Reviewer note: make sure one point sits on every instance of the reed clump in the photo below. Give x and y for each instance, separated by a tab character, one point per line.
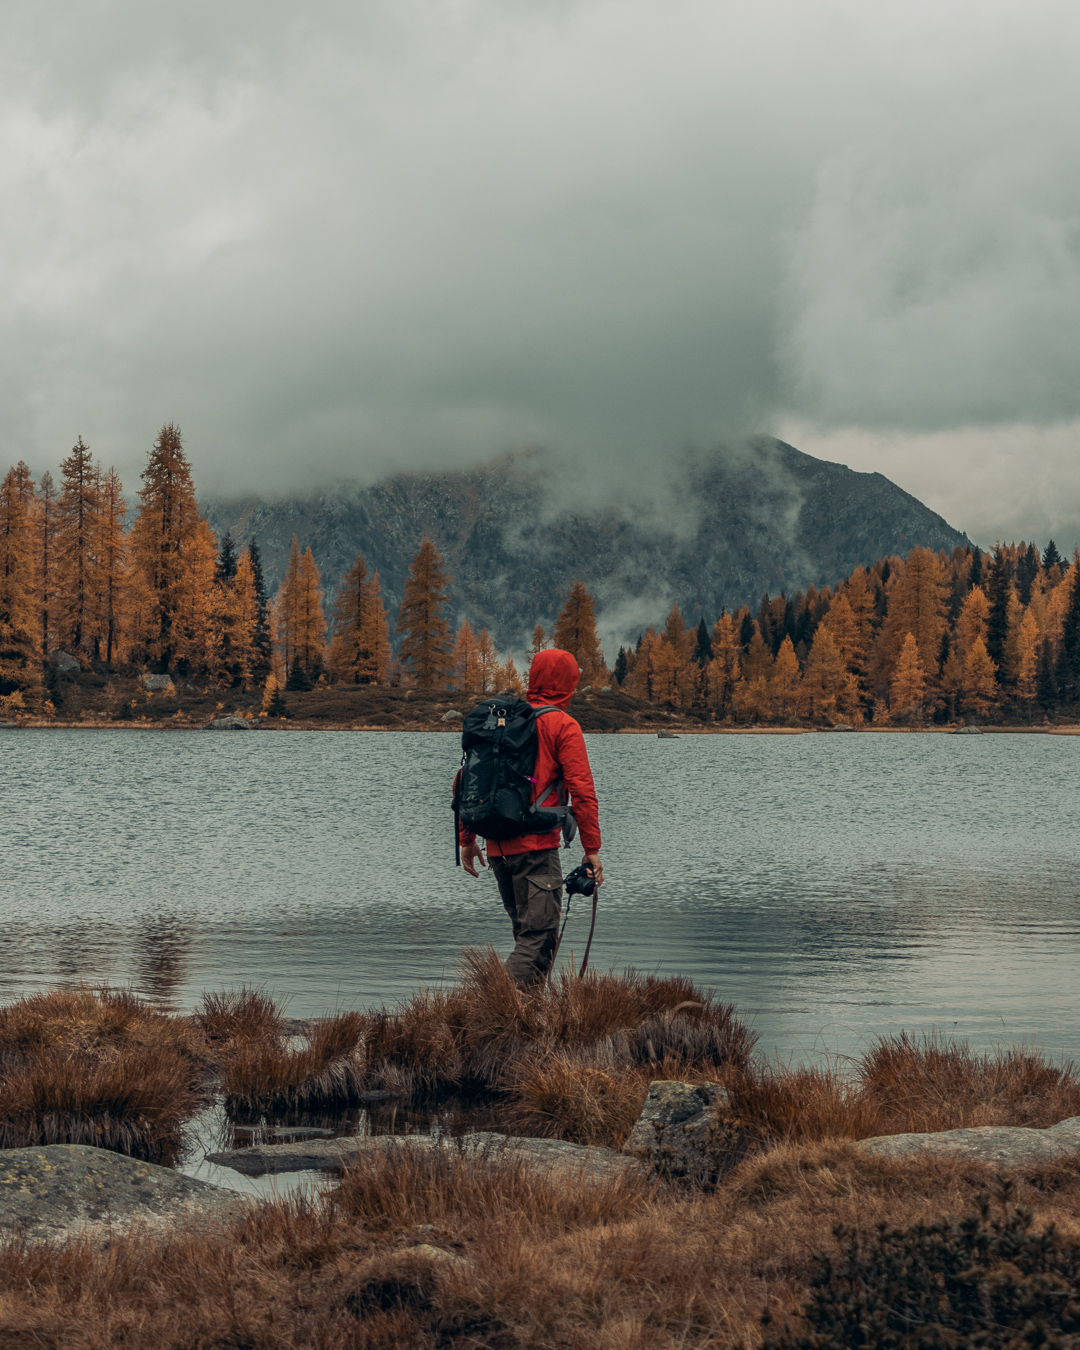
97	1067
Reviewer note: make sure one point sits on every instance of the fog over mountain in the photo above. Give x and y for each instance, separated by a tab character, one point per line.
715	530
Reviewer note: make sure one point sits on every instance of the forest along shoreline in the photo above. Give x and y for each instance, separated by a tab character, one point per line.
109	702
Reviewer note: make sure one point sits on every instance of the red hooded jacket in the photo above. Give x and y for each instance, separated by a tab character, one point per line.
561	752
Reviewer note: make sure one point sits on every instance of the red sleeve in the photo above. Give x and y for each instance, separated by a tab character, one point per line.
577	775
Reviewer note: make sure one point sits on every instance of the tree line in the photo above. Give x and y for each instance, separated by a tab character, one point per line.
906	640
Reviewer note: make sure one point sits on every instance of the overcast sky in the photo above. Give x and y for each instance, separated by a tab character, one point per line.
336	238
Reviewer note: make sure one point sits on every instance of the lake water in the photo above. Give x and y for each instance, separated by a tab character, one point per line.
833	887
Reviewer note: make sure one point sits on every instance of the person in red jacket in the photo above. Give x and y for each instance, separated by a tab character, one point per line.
527	869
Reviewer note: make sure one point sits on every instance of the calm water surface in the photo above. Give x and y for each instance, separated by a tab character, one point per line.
833	887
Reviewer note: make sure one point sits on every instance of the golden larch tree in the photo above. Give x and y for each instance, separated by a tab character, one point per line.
972	620
917	605
78	524
285	608
310	640
575	632
426	641
757	660
539	641
510	681
167	529
639	681
487	662
979	689
20	671
907	692
1027	660
724	669
466	663
45	551
374	635
112	568
784	683
348	659
826	689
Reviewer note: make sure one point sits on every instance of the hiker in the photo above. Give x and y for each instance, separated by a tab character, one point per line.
527	867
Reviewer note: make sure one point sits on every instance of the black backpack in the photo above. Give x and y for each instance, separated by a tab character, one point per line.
493	792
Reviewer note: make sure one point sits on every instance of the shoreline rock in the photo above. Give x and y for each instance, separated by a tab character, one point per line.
1007	1145
60	1191
685	1131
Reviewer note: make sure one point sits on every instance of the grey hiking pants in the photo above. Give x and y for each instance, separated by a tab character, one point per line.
531	888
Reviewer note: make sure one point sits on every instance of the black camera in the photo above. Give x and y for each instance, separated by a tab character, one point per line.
580	881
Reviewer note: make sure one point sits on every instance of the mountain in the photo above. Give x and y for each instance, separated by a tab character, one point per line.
715	529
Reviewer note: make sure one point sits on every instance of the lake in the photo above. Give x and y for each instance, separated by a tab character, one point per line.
833	887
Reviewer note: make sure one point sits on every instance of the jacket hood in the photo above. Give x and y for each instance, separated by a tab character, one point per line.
553	677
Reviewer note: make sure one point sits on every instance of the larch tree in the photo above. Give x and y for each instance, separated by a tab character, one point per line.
979	689
916	605
724	669
639	683
112	568
825	683
487	662
907	692
972	619
244	605
466	660
575	632
45	549
310	618
285	608
78	518
1027	660
166	530
426	641
757	661
539	642
20	671
510	681
784	682
348	657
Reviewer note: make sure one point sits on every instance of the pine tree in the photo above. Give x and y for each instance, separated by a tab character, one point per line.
466	665
621	666
263	641
1051	558
703	653
575	632
77	527
165	532
20	673
998	588
1027	572
1068	656
45	533
227	559
908	689
425	645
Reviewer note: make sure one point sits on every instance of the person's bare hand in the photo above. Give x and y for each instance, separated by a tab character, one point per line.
593	863
472	854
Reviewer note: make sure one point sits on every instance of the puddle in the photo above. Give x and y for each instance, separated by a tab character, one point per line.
213	1130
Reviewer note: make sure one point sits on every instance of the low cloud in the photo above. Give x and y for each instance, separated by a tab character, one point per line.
366	237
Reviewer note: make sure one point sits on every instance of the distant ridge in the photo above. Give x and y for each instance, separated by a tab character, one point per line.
727	526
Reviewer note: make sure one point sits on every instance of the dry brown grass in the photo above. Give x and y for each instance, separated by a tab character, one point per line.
86	1067
597	1266
239	1015
264	1075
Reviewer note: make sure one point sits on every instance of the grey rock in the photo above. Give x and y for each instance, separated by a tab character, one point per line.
227	724
434	1254
61	1190
65	663
667	736
159	684
451	715
1003	1145
606	689
966	731
839	726
684	1131
333	1155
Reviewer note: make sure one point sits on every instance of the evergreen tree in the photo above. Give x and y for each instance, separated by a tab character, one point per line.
575	632
425	645
1051	556
702	644
746	631
620	666
1068	657
1027	571
998	587
113	568
976	577
20	673
347	654
227	559
263	641
1046	692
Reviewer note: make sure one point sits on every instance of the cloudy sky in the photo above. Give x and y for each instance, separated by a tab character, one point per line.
336	238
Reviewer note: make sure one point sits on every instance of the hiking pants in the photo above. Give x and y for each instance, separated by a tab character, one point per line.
531	888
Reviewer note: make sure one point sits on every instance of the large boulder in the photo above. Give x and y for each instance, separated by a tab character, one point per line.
158	684
687	1131
231	723
334	1155
65	663
64	1190
1002	1145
